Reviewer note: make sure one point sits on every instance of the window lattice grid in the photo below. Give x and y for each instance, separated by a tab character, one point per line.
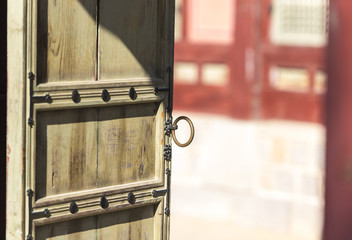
299	22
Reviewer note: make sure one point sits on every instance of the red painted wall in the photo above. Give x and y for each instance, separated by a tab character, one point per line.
233	99
249	97
307	106
338	209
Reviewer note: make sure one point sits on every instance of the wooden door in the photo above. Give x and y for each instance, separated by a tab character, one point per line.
98	94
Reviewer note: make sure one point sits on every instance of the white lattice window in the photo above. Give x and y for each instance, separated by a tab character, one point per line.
299	22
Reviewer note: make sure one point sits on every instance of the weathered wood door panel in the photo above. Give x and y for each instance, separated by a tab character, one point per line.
66	40
90	148
95	165
66	150
122	55
129	224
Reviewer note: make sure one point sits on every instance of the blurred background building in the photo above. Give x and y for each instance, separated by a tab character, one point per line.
251	74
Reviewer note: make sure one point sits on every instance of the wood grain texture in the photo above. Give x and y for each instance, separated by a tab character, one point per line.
80	152
66	38
15	206
128	39
135	224
66	151
3	111
131	224
90	148
78	229
126	144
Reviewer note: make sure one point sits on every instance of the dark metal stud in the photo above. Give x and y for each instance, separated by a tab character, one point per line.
47	213
76	98
104	203
73	207
48	99
31	76
30	121
167	211
131	198
30	193
133	93
105	95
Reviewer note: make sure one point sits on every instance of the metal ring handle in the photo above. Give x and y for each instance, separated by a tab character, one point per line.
192	131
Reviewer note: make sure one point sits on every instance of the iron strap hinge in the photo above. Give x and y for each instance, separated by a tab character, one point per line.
45	213
39	99
167	207
163	192
159	193
33	215
35	99
161	89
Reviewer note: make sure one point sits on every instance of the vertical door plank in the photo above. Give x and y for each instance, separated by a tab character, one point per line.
66	151
138	223
66	38
128	39
135	223
126	137
143	228
16	102
79	229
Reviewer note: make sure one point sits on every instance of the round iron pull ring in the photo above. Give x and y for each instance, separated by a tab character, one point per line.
191	126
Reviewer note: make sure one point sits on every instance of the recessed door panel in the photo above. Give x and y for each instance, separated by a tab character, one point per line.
66	151
127	144
129	41
66	37
90	148
135	224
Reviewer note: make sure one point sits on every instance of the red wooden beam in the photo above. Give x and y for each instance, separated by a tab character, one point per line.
338	208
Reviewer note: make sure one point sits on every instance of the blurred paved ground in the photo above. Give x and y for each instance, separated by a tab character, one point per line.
248	180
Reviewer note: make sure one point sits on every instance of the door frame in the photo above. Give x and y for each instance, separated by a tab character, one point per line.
16	104
338	184
3	91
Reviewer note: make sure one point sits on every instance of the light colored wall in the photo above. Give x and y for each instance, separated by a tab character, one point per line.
212	21
248	179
